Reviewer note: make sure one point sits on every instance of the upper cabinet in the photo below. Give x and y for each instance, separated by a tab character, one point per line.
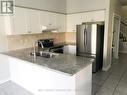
33	21
19	21
61	22
79	18
99	15
48	20
24	21
29	21
53	21
44	18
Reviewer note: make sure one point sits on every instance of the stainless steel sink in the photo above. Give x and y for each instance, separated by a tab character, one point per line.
44	54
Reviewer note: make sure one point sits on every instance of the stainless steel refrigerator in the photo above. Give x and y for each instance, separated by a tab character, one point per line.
90	41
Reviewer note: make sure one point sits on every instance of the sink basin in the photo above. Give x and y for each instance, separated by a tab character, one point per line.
44	54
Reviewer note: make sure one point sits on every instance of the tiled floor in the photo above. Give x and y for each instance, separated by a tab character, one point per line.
10	88
113	82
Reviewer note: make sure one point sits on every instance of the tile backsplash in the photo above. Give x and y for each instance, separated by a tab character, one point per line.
70	37
27	40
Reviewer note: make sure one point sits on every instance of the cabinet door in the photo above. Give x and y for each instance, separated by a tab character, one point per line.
20	24
52	20
61	22
87	17
33	21
48	20
9	24
44	19
99	15
71	23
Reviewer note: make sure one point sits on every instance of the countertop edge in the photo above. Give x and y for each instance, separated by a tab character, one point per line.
46	67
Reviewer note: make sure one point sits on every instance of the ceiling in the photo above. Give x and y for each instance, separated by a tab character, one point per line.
123	2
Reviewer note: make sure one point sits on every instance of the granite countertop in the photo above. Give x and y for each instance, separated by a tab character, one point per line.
68	64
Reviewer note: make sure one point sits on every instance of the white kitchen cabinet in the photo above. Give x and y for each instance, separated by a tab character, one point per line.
73	20
70	49
61	22
71	24
8	24
28	21
19	21
24	21
25	73
99	15
33	21
44	18
86	17
79	18
53	20
48	19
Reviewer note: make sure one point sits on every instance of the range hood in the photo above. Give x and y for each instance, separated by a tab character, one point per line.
49	29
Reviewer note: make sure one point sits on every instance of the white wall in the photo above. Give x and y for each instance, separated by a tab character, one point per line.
113	6
85	5
3	40
4	65
51	5
4	69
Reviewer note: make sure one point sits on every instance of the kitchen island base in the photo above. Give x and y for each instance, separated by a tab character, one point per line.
43	81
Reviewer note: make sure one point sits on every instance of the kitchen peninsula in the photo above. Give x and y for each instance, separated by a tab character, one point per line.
63	74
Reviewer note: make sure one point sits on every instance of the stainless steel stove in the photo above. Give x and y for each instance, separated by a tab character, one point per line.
48	45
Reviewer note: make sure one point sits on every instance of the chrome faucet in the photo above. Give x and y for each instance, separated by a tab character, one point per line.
36	42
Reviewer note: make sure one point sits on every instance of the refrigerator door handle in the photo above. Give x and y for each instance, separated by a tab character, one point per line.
85	38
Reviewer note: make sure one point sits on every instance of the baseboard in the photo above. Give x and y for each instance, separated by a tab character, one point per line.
5	80
107	68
